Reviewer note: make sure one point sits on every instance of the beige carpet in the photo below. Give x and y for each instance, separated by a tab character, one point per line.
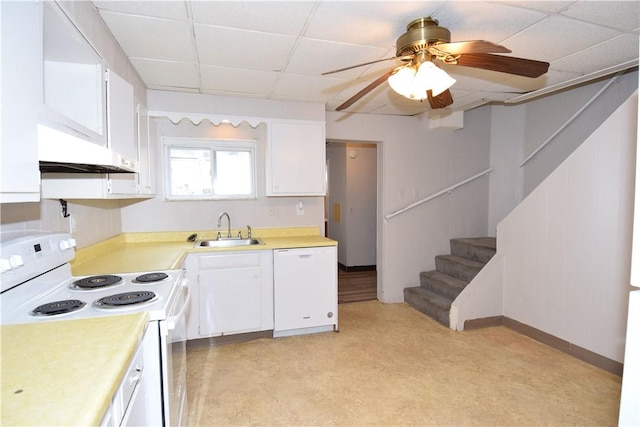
391	365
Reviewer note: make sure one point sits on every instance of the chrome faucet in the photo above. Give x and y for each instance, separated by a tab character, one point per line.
228	223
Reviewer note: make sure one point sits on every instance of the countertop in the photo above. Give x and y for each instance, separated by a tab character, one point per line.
143	252
64	373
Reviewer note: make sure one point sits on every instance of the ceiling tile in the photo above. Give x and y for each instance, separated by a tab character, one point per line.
313	57
608	54
237	80
153	38
554	38
167	73
475	20
307	87
278	17
543	6
623	15
372	24
242	49
278	49
159	9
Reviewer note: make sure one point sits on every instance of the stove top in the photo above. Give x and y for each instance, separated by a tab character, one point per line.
67	300
50	292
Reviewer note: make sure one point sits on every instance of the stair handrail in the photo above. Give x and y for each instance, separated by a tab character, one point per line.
438	194
572	118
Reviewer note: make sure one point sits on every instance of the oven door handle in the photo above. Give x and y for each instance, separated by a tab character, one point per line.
172	320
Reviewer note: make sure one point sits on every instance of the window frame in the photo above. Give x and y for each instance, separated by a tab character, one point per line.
213	145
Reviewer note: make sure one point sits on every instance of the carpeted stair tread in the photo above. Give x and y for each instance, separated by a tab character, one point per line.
480	249
442	284
440	287
461	268
433	305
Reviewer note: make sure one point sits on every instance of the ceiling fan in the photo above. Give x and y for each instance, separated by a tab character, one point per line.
419	78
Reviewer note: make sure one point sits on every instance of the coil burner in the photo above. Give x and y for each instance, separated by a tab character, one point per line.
58	307
151	277
125	299
96	282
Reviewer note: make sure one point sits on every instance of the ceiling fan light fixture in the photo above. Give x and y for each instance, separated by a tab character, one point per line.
402	81
414	84
434	78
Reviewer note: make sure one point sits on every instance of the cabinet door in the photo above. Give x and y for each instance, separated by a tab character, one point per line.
147	161
121	122
230	301
235	293
21	80
305	288
73	79
296	159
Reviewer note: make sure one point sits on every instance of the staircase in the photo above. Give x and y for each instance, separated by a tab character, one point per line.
440	287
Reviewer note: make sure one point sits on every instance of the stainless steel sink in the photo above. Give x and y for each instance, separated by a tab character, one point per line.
227	243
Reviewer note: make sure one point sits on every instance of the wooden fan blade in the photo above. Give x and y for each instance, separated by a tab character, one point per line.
442	100
402	58
504	64
472	46
383	78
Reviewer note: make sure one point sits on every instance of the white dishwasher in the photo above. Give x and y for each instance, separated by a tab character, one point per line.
305	283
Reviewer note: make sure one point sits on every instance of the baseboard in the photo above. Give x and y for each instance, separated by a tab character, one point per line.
552	341
356	268
485	322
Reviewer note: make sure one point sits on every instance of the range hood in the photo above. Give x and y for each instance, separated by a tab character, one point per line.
61	152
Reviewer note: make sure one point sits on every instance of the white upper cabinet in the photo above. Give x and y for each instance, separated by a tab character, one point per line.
121	134
74	89
20	83
296	159
146	176
122	137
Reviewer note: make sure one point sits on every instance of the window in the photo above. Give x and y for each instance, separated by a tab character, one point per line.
209	169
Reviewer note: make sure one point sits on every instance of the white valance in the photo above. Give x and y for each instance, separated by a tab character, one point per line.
215	119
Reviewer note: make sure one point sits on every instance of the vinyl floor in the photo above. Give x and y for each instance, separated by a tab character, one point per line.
390	365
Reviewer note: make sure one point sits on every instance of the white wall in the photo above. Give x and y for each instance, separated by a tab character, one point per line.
265	212
507	151
567	246
415	162
360	209
565	251
518	130
337	197
546	115
353	185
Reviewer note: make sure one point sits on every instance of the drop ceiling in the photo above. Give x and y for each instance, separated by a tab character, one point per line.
279	49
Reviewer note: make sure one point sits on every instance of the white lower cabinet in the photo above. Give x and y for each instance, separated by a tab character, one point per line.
305	290
232	293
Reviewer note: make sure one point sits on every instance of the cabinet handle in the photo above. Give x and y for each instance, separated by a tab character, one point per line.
136	377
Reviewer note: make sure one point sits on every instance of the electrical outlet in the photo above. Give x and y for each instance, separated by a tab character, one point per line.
271	210
300	207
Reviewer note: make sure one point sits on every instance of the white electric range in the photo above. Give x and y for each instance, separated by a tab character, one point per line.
36	285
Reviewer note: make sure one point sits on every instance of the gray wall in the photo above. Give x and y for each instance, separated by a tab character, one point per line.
517	131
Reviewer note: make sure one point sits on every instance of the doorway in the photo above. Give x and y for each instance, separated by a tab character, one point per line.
351	212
